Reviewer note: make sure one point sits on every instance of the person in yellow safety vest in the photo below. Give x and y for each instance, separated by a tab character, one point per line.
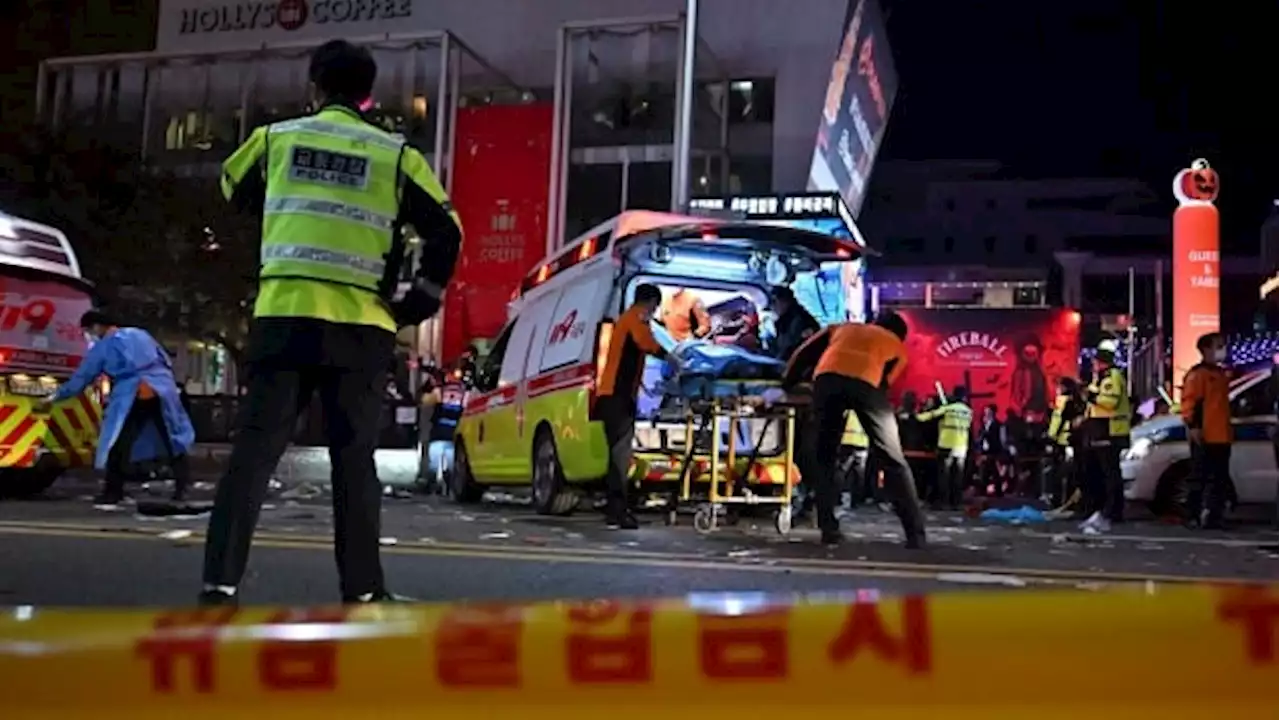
859	483
335	194
954	429
1104	435
1068	408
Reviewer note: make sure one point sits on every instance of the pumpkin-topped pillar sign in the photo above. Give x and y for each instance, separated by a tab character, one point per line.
1196	263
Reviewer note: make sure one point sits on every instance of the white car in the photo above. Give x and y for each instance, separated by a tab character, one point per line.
1159	459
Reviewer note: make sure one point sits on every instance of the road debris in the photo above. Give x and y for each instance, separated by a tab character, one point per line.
387	541
495	536
176	535
982	579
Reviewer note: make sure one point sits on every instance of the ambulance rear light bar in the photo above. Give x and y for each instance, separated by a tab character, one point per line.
569	257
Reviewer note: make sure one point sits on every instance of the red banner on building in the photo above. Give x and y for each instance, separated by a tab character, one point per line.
501	165
1010	359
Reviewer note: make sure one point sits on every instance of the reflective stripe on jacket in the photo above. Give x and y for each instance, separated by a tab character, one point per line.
854	435
332	191
1109	400
955	426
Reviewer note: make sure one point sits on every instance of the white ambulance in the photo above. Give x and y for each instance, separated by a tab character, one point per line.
528	419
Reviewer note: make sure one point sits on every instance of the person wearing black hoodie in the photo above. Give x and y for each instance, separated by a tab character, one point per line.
794	324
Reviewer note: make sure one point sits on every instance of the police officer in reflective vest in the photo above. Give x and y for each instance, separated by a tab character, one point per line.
1104	435
334	193
1067	408
855	468
953	445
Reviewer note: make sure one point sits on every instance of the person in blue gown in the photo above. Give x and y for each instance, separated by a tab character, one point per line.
144	419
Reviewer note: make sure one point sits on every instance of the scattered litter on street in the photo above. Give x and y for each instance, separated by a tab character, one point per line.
175	535
465	518
305	491
743	553
428	540
982	579
387	541
495	536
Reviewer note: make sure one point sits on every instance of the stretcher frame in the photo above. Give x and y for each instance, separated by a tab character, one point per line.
721	482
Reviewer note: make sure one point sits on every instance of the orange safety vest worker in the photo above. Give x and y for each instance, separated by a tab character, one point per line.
630	342
1206	403
685	316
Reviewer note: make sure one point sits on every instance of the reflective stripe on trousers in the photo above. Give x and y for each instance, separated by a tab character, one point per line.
328	209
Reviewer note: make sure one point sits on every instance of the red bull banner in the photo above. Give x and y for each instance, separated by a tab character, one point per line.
501	163
1010	359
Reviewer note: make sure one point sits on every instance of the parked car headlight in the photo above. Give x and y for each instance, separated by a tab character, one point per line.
1142	446
1139	449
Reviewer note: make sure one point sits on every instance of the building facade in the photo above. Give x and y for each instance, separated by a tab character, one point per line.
962	222
221	68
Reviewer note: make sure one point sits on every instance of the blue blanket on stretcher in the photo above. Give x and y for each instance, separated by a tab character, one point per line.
706	370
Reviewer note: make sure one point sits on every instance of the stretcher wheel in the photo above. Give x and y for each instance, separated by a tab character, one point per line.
704	519
782	520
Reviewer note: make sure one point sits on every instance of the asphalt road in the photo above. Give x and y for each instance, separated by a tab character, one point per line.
58	550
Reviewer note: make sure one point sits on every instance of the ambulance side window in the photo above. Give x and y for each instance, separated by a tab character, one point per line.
571	333
522	339
487	373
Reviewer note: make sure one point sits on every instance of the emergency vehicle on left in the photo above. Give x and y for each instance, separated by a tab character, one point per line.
42	296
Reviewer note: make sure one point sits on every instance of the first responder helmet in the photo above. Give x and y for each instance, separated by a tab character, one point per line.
343	72
1107	349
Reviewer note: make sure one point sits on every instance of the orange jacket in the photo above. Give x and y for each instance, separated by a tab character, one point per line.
685	316
630	342
1206	403
863	352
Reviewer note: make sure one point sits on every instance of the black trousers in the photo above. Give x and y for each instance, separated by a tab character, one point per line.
619	417
280	387
833	396
119	465
1210	481
949	479
1103	484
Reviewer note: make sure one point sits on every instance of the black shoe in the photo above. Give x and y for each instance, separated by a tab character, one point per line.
915	541
832	537
108	498
381	596
214	597
624	521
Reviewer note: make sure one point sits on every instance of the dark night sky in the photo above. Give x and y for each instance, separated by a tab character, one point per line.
1126	88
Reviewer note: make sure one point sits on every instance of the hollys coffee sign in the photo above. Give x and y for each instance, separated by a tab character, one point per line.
288	15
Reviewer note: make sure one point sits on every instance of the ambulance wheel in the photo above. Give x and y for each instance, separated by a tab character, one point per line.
782	521
550	496
462	484
704	520
27	482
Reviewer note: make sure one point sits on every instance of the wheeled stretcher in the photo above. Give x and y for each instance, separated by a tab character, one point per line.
716	445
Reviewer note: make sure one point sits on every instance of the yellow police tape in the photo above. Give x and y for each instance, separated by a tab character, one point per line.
1155	654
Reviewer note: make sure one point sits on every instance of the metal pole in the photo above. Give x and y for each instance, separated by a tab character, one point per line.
247	85
1133	351
684	106
455	87
42	79
1159	283
566	146
442	112
557	139
152	80
724	136
626	184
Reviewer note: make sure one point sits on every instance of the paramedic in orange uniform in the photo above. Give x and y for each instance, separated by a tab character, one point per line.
686	316
1206	410
855	365
615	404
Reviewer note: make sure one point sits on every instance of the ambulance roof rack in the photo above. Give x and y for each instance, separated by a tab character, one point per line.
33	246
